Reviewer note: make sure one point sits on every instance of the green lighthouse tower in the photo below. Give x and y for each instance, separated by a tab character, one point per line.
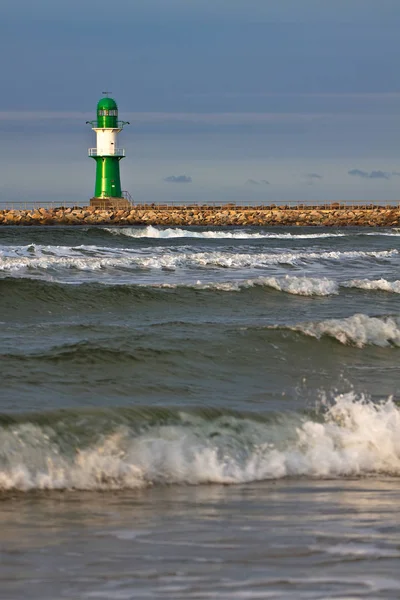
107	154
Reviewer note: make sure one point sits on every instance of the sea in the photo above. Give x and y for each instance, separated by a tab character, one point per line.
199	413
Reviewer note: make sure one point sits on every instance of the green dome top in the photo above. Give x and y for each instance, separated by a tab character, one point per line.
107	104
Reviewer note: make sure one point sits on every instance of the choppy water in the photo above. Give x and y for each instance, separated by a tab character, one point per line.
193	413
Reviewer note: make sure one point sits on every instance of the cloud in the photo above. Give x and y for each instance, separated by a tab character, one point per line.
369	174
255	182
310	178
358	173
178	179
379	175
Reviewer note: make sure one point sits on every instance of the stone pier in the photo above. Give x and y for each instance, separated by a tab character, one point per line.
333	215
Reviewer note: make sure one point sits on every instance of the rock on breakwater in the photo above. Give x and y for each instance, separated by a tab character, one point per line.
334	215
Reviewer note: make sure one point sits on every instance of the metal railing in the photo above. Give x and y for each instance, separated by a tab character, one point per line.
244	205
127	196
119	124
96	152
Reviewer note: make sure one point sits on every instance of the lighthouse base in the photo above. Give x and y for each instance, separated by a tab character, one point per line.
114	203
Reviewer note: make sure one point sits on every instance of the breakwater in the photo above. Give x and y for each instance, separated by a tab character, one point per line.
333	215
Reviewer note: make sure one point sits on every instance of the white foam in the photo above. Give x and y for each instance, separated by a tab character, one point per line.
35	250
154	232
358	330
374	284
394	233
92	258
360	550
355	437
300	286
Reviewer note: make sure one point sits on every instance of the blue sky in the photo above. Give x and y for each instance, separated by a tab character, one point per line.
231	94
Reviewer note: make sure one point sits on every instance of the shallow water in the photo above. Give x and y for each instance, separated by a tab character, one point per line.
282	539
198	413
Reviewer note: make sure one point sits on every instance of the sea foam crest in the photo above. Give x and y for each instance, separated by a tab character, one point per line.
91	258
374	284
299	286
158	233
358	330
354	437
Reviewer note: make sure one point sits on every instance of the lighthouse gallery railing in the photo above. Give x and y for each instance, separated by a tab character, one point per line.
116	152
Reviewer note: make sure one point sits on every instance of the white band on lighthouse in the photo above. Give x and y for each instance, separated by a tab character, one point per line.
106	142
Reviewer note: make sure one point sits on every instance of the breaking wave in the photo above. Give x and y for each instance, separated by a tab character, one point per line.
242	233
237	234
131	448
299	286
302	286
28	259
382	285
358	330
32	294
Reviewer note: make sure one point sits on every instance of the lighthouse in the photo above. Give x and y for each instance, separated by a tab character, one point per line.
107	154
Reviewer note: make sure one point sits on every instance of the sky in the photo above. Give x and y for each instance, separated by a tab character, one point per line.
229	100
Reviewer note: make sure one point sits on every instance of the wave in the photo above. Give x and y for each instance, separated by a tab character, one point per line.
305	286
299	286
358	330
395	232
374	285
131	448
21	261
92	353
24	296
33	290
220	234
236	234
33	293
291	284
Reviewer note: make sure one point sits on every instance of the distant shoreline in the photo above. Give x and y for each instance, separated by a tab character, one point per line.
333	215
